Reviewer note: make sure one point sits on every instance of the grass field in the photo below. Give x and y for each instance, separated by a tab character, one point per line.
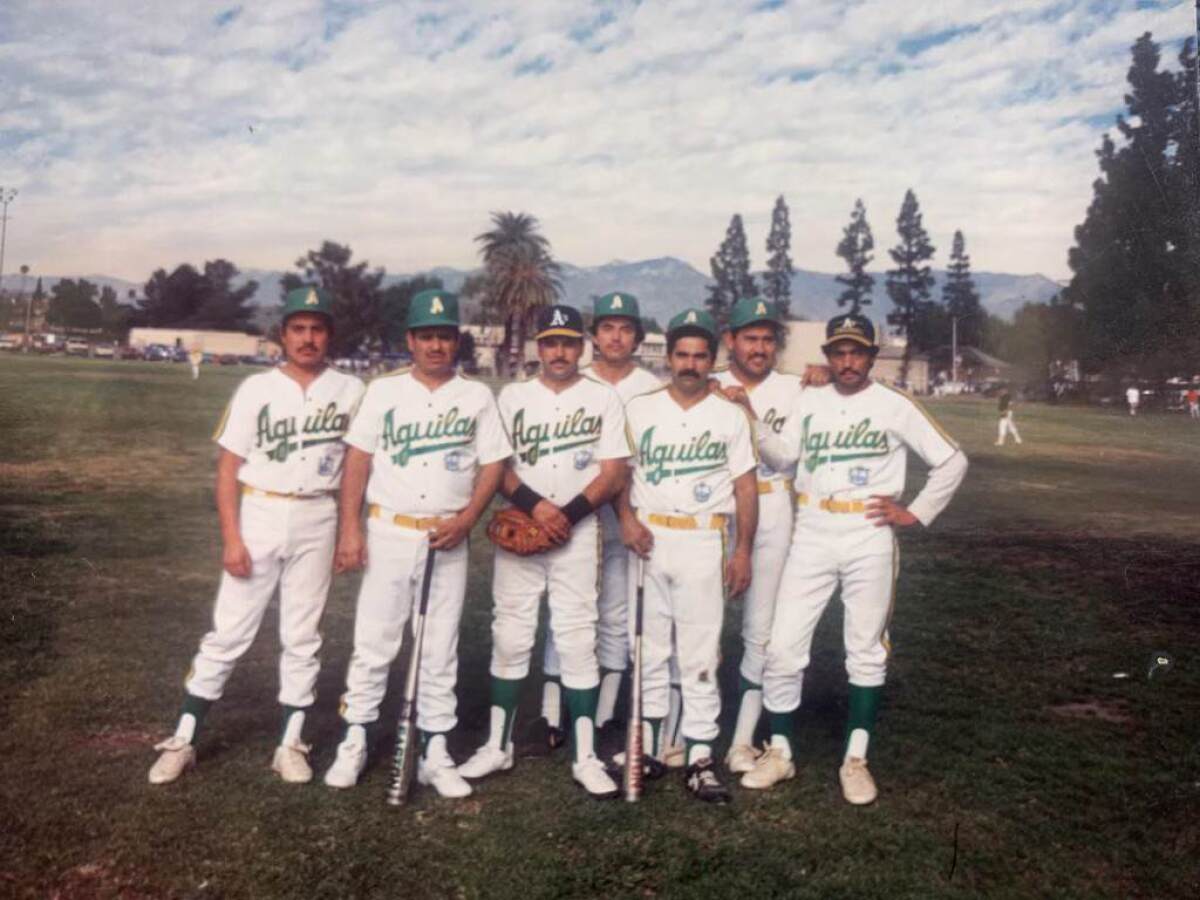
1010	760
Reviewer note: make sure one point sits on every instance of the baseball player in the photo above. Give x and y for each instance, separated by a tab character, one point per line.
280	465
195	357
752	342
1133	397
569	452
1193	402
616	333
433	447
1007	425
852	439
694	471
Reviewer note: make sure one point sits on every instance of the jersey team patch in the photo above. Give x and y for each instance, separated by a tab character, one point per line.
583	458
701	492
859	475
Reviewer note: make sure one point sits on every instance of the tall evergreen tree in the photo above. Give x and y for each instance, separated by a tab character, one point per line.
910	282
357	295
731	272
855	248
1135	254
960	297
777	282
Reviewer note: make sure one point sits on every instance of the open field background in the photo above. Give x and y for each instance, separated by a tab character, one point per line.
1011	762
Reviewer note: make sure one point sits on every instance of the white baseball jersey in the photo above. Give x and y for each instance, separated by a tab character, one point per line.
687	460
426	445
560	438
638	381
772	400
854	446
290	437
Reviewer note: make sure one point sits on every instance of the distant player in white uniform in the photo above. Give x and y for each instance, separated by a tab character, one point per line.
694	477
616	334
1133	397
434	448
569	459
752	341
279	468
852	439
1006	424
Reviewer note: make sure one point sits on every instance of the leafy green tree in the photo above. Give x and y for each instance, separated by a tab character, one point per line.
910	282
730	272
521	276
73	305
357	295
187	298
855	248
777	281
960	297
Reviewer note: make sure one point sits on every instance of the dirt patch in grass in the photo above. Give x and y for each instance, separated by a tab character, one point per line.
111	472
1114	712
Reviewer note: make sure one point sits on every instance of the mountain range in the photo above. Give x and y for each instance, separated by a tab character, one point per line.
663	286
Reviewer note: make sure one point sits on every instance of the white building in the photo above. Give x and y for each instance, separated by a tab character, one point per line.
216	342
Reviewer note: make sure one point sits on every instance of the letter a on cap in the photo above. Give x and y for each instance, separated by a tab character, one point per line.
691	316
311	299
558	319
616	302
761	309
436	306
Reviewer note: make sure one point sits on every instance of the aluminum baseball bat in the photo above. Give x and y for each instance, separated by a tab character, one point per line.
634	749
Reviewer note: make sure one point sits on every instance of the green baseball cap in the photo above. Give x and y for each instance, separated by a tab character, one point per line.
308	299
616	304
433	308
751	310
694	321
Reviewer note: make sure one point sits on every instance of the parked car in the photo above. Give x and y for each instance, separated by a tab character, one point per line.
156	353
104	351
77	347
227	359
7	343
129	353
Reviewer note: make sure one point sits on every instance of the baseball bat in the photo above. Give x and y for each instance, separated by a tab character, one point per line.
405	760
634	749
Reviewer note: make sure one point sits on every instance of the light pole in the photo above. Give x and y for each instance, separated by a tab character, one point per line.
6	197
28	307
954	340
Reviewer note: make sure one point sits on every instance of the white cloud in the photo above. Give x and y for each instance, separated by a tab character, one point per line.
143	135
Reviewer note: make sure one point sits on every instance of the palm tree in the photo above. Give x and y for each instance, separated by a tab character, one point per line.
521	276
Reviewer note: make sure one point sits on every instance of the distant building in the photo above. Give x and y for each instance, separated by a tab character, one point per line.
653	352
217	342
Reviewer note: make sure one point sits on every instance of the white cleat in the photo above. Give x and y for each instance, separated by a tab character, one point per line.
591	776
436	769
351	760
291	763
858	787
674	756
487	760
177	757
772	767
741	758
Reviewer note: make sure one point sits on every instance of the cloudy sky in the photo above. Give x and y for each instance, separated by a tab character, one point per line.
144	134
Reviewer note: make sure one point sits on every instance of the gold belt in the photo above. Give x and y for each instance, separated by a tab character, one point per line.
716	520
801	498
842	506
259	492
428	523
766	487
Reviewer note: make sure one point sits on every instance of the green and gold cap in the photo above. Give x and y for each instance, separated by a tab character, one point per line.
693	321
432	308
752	310
309	299
558	321
616	304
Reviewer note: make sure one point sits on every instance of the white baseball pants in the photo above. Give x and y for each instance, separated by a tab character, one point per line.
291	543
684	594
389	595
771	543
1006	427
568	575
864	559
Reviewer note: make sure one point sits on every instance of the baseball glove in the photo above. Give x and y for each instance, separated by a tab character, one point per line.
518	533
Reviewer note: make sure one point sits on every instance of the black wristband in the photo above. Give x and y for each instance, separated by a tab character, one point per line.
526	498
579	507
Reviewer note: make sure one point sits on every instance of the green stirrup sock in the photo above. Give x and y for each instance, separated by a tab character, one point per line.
581	704
864	704
506	694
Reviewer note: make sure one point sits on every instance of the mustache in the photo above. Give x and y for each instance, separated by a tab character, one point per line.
686	373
